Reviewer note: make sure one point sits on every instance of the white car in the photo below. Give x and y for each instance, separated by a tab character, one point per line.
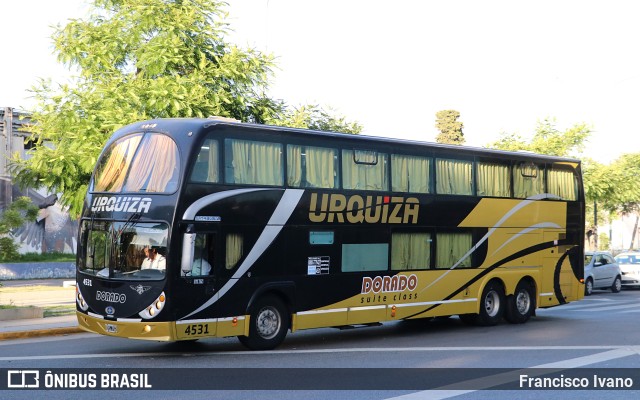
630	267
601	272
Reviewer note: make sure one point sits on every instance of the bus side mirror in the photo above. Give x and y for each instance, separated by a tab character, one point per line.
188	245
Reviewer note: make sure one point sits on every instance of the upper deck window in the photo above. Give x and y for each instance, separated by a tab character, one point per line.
562	182
139	163
314	167
205	168
410	173
254	163
493	180
454	177
528	180
364	170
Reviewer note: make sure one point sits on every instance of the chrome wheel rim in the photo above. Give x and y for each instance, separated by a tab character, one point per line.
523	302
492	303
268	323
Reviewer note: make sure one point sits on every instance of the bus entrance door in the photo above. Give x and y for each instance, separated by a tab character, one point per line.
197	284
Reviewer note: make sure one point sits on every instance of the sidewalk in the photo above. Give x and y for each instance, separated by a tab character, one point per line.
39	293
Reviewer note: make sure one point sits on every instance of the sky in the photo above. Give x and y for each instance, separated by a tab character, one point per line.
390	66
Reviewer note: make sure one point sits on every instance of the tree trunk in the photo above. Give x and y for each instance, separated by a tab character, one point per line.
633	233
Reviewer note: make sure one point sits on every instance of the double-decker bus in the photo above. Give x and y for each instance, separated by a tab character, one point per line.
196	228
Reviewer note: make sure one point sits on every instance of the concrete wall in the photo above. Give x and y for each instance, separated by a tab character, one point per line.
11	271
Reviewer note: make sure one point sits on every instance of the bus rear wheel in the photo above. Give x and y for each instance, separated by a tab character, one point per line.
268	324
521	306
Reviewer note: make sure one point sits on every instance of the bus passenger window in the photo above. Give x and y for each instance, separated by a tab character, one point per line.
234	250
205	168
451	249
155	166
410	174
410	251
254	163
313	167
493	180
528	180
562	183
364	170
454	177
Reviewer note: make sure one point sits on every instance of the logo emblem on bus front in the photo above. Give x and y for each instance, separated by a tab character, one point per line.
140	289
110	310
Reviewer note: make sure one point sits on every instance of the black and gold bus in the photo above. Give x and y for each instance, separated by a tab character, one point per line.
255	230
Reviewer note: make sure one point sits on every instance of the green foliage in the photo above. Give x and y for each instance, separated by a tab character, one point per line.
449	126
603	242
43	257
624	173
547	139
14	216
136	60
314	117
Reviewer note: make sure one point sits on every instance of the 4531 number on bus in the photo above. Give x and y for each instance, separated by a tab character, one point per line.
196	329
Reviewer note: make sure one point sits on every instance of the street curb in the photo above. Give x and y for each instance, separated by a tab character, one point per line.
40	333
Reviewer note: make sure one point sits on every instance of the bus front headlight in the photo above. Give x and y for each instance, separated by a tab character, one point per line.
80	300
154	308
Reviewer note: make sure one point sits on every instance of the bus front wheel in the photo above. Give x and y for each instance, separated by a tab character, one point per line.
491	305
268	324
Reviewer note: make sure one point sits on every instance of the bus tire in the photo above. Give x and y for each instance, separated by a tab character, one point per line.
268	324
522	305
492	304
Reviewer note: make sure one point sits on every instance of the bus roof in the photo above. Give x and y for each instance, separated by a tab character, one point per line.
203	123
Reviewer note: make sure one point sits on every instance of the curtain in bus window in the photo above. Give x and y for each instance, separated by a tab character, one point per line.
206	166
410	251
528	180
362	171
450	248
212	170
256	163
321	167
409	174
155	165
562	183
454	177
493	180
311	167
234	247
114	168
294	166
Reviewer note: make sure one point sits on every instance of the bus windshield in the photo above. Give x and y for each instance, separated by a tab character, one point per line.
124	250
139	163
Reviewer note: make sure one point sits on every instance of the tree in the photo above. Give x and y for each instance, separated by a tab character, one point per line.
449	126
624	175
547	139
315	117
137	60
14	216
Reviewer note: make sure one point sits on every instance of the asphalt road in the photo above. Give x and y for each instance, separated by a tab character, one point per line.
596	336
